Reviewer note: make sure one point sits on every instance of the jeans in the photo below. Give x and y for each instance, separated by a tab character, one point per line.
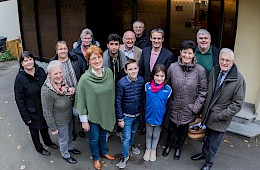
97	140
65	139
129	130
152	136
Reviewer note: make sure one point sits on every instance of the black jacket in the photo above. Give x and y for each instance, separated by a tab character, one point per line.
143	41
27	91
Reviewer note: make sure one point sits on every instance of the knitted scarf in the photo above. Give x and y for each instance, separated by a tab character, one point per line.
63	90
155	88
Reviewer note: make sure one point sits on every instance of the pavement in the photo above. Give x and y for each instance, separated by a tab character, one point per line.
17	151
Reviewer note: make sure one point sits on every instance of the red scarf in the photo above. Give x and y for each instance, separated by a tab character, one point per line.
155	88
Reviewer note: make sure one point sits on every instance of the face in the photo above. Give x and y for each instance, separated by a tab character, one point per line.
203	41
138	28
86	40
62	51
56	75
225	61
132	71
156	39
96	61
28	63
187	56
113	47
129	39
159	77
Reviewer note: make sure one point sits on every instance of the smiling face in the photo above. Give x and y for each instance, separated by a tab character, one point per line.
132	70
62	51
225	61
138	28
159	77
96	61
156	39
28	63
56	75
86	40
203	41
129	40
187	56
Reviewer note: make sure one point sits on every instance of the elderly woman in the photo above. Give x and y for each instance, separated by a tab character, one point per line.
27	88
189	83
95	99
57	108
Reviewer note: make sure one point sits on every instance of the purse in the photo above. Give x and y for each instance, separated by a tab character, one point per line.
196	130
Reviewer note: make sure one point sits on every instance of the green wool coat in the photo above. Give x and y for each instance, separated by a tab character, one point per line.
95	98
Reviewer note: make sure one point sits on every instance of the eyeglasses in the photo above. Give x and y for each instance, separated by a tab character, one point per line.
62	49
86	39
99	58
224	60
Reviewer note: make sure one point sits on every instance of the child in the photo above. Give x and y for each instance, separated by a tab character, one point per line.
128	104
157	94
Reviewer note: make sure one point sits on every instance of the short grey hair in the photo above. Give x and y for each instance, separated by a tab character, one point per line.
227	50
203	31
138	21
85	32
53	64
159	30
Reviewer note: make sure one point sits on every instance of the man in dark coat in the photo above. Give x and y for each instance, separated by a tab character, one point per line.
142	40
225	97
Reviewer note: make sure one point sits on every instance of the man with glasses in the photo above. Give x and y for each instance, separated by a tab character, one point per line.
142	40
226	93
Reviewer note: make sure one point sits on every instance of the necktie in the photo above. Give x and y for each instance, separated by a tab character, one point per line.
219	80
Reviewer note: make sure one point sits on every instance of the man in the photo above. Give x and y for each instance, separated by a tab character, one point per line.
206	54
155	54
142	40
225	97
129	49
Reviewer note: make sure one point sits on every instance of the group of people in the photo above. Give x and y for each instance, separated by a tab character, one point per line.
128	86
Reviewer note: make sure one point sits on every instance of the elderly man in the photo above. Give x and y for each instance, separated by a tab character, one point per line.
142	40
129	49
206	54
225	97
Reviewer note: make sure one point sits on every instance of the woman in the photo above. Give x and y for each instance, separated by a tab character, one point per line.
27	88
72	70
95	103
189	83
57	108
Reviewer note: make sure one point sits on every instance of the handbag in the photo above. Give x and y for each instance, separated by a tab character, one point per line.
196	130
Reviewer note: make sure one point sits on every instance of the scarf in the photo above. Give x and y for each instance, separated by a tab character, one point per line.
155	88
69	73
63	90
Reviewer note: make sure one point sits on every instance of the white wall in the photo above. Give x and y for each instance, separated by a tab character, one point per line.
9	19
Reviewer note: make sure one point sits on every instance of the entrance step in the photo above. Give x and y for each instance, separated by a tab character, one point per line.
246	114
249	130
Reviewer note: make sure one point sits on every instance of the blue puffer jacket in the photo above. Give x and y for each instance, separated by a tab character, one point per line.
128	97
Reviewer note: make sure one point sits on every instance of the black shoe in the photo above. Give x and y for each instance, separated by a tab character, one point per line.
166	151
75	151
45	152
53	146
70	160
177	154
206	167
82	134
198	157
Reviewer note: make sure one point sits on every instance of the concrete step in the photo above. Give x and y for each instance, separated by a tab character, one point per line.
246	114
249	130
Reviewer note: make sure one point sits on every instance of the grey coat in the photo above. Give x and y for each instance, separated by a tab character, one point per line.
189	84
221	107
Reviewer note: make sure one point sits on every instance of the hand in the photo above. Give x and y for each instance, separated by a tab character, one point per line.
121	124
55	132
85	126
29	122
71	90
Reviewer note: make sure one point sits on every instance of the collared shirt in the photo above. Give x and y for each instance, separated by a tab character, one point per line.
94	72
205	60
225	73
129	54
153	58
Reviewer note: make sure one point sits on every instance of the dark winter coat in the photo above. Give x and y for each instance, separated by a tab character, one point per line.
189	91
27	91
220	108
143	41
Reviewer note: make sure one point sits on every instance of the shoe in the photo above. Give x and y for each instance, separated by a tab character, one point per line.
206	167
146	156
97	164
177	154
122	163
153	155
45	152
135	150
109	157
82	134
75	151
53	146
198	157
166	151
70	160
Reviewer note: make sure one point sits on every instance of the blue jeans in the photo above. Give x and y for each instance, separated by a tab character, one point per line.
97	140
129	130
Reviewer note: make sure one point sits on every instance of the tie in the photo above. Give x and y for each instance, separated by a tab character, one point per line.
219	80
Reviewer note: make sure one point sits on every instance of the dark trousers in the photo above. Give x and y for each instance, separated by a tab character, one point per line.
211	144
36	138
176	135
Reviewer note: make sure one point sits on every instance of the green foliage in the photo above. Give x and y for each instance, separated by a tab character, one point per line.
6	56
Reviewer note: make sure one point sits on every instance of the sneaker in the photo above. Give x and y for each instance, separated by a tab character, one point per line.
135	150
153	155
122	163
147	155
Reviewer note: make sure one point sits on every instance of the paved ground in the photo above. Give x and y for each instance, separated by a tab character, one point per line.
17	151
